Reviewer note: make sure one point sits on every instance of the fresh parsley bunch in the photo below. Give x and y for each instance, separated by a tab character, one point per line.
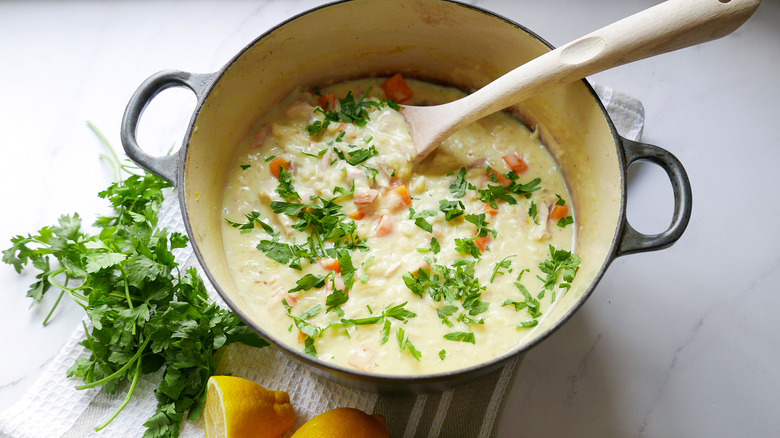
146	313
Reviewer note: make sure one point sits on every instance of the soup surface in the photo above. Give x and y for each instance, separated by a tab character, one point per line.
343	248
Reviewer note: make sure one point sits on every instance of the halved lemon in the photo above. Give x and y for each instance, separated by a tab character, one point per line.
240	408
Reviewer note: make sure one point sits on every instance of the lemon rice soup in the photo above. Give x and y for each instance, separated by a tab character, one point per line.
345	249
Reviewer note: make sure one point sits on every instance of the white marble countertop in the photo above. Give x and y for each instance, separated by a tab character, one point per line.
674	343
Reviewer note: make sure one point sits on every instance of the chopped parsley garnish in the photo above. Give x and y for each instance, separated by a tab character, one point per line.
456	284
285	189
248	226
566	220
468	246
325	222
503	264
561	264
523	189
533	213
451	209
482	224
350	111
405	344
459	186
310	281
562	222
492	194
358	156
317	155
397	312
461	337
435	246
420	218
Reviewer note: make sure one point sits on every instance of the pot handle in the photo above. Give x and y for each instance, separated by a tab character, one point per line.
630	240
166	167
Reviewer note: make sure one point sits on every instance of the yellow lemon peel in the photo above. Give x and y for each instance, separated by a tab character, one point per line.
240	408
344	423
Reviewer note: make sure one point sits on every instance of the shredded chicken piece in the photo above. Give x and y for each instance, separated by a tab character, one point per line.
363	359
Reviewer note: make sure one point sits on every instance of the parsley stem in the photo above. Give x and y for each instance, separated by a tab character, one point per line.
89	337
129	395
116	164
77	297
54	307
127	290
319	243
118	372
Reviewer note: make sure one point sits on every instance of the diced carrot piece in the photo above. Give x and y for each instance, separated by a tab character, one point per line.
327	101
397	89
490	210
276	166
358	214
403	193
482	242
384	226
292	299
302	337
501	179
515	162
364	197
559	212
330	264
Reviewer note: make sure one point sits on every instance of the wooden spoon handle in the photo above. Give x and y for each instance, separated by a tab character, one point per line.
669	26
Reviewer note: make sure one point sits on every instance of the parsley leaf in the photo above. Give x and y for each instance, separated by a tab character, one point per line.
419	218
468	246
358	156
451	209
459	186
567	220
492	193
251	219
285	189
503	264
561	264
482	224
405	344
350	111
524	189
309	281
461	337
533	213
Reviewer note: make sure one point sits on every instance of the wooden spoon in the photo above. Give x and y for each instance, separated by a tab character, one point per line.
672	25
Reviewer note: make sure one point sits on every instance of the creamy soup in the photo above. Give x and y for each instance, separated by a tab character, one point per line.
345	249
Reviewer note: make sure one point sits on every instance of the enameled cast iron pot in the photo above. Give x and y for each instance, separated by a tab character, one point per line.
439	41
